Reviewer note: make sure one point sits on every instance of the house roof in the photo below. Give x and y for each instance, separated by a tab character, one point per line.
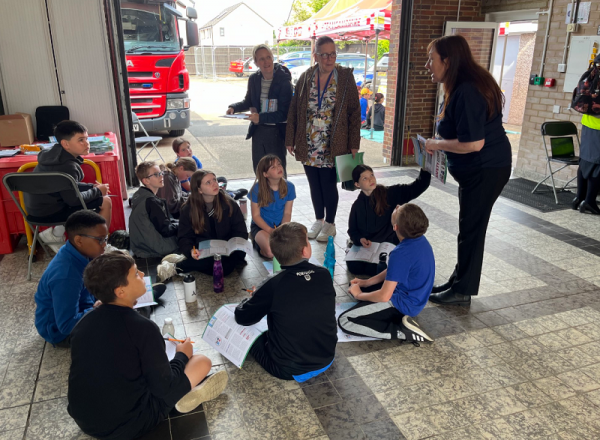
225	12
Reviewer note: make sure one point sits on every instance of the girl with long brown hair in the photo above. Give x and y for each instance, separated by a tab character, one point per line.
208	214
470	131
371	213
272	198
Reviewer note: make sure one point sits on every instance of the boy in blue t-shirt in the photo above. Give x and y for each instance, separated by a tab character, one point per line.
404	288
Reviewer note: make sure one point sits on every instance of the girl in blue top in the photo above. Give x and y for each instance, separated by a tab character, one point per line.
271	199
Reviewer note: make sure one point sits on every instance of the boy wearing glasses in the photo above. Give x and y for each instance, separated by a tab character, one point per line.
61	298
152	230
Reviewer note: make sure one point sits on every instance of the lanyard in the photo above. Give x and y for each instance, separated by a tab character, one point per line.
320	96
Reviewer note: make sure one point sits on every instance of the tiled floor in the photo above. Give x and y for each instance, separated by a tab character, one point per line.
523	362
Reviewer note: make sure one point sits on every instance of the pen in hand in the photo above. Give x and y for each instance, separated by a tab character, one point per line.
177	340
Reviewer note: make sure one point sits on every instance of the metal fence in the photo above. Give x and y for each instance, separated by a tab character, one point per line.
212	62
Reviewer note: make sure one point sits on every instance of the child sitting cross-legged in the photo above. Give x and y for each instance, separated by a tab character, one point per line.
121	383
152	230
272	198
61	298
183	148
299	302
171	191
402	290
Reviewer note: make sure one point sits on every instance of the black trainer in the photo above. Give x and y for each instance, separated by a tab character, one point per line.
413	332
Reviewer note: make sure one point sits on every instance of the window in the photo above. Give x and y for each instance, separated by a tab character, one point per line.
222	31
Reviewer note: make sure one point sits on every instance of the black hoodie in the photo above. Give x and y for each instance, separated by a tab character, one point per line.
281	90
364	223
57	159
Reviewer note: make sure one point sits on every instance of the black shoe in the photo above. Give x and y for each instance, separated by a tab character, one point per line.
413	332
575	203
449	297
586	207
239	193
441	287
158	289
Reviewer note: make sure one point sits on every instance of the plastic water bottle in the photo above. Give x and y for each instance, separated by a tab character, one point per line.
382	265
276	265
168	327
329	262
189	288
218	278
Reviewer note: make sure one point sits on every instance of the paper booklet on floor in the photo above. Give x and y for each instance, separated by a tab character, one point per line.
208	248
436	163
147	299
229	338
370	254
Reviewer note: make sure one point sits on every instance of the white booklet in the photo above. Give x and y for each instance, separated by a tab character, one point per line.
436	163
170	346
229	338
370	254
243	116
208	248
147	299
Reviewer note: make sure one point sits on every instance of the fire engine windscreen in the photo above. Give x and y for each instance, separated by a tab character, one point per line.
149	28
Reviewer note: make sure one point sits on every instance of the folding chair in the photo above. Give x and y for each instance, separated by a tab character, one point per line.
562	151
146	140
40	183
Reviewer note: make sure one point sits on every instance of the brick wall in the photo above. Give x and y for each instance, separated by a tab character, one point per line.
531	161
428	21
488	6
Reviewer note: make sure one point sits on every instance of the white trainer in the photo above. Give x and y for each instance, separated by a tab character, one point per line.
208	389
327	231
315	229
47	237
165	271
173	258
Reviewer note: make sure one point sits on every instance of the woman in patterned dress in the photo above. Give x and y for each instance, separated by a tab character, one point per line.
323	122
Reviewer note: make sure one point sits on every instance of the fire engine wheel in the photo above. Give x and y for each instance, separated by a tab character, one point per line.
239	75
176	133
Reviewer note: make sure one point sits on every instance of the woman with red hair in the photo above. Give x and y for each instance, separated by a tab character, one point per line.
470	131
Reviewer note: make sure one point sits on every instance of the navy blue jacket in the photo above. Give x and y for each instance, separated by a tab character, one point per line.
61	298
281	90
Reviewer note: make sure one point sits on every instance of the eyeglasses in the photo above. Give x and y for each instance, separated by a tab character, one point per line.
159	174
326	56
100	240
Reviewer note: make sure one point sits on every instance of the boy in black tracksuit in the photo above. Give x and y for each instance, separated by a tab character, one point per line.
299	303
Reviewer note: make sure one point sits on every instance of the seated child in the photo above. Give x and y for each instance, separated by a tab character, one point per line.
171	192
386	313
61	298
271	198
65	157
182	148
371	213
299	302
208	214
121	383
152	230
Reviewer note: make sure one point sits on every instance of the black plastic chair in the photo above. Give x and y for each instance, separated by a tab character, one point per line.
40	183
562	151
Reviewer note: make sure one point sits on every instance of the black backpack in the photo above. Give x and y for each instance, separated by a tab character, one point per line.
586	96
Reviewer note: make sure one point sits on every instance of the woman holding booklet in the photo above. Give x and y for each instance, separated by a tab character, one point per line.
470	131
208	214
268	99
323	123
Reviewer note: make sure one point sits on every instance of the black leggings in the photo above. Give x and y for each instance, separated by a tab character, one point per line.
205	265
323	192
587	189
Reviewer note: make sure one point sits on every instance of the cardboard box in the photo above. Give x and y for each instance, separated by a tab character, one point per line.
16	130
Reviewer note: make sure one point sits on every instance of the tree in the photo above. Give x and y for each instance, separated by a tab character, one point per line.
383	47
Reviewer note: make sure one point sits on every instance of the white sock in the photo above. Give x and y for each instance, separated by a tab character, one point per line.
58	231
